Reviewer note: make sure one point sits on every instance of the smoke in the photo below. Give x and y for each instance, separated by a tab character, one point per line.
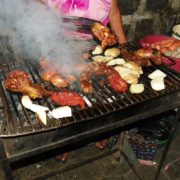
40	31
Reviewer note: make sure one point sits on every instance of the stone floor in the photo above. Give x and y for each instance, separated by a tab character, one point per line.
106	168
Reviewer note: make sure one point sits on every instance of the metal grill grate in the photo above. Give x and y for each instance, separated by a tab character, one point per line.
15	120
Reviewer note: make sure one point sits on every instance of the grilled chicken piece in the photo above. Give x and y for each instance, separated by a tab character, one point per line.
143	56
59	81
19	81
56	79
104	35
130	56
86	87
48	74
68	98
55	76
113	78
152	54
85	82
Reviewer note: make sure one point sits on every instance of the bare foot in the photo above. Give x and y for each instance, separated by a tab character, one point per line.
102	144
62	157
146	162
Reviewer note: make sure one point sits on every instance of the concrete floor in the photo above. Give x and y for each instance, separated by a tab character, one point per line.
102	169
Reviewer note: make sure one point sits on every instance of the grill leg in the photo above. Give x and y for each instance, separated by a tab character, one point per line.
120	153
170	139
5	169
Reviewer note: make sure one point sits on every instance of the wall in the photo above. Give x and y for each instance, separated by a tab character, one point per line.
143	17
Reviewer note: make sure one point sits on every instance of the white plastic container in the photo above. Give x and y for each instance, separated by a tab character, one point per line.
176	31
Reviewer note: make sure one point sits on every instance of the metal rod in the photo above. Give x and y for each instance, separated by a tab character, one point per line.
5	169
132	166
6	110
169	142
120	144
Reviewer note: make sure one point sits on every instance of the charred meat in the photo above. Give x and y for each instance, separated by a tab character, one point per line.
150	53
100	69
143	56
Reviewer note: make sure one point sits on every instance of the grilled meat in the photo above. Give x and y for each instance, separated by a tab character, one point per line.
114	79
143	56
150	53
18	73
68	98
104	35
55	76
86	86
40	91
58	81
48	74
130	56
19	81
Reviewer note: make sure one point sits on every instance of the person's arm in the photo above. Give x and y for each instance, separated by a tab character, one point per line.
115	21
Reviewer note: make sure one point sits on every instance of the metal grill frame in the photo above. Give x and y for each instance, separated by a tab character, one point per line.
104	100
18	148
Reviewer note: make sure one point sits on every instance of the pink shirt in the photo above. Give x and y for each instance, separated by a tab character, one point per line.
92	9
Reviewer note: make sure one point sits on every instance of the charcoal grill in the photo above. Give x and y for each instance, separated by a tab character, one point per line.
18	121
105	110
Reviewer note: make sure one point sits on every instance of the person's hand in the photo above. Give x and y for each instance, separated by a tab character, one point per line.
122	40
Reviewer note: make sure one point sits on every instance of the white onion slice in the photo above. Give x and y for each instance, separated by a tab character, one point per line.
158	84
36	108
42	116
136	88
98	50
117	61
157	73
26	101
61	112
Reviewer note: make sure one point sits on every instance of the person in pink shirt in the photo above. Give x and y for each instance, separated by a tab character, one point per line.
105	11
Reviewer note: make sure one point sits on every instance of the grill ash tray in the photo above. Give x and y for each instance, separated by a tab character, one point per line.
15	120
